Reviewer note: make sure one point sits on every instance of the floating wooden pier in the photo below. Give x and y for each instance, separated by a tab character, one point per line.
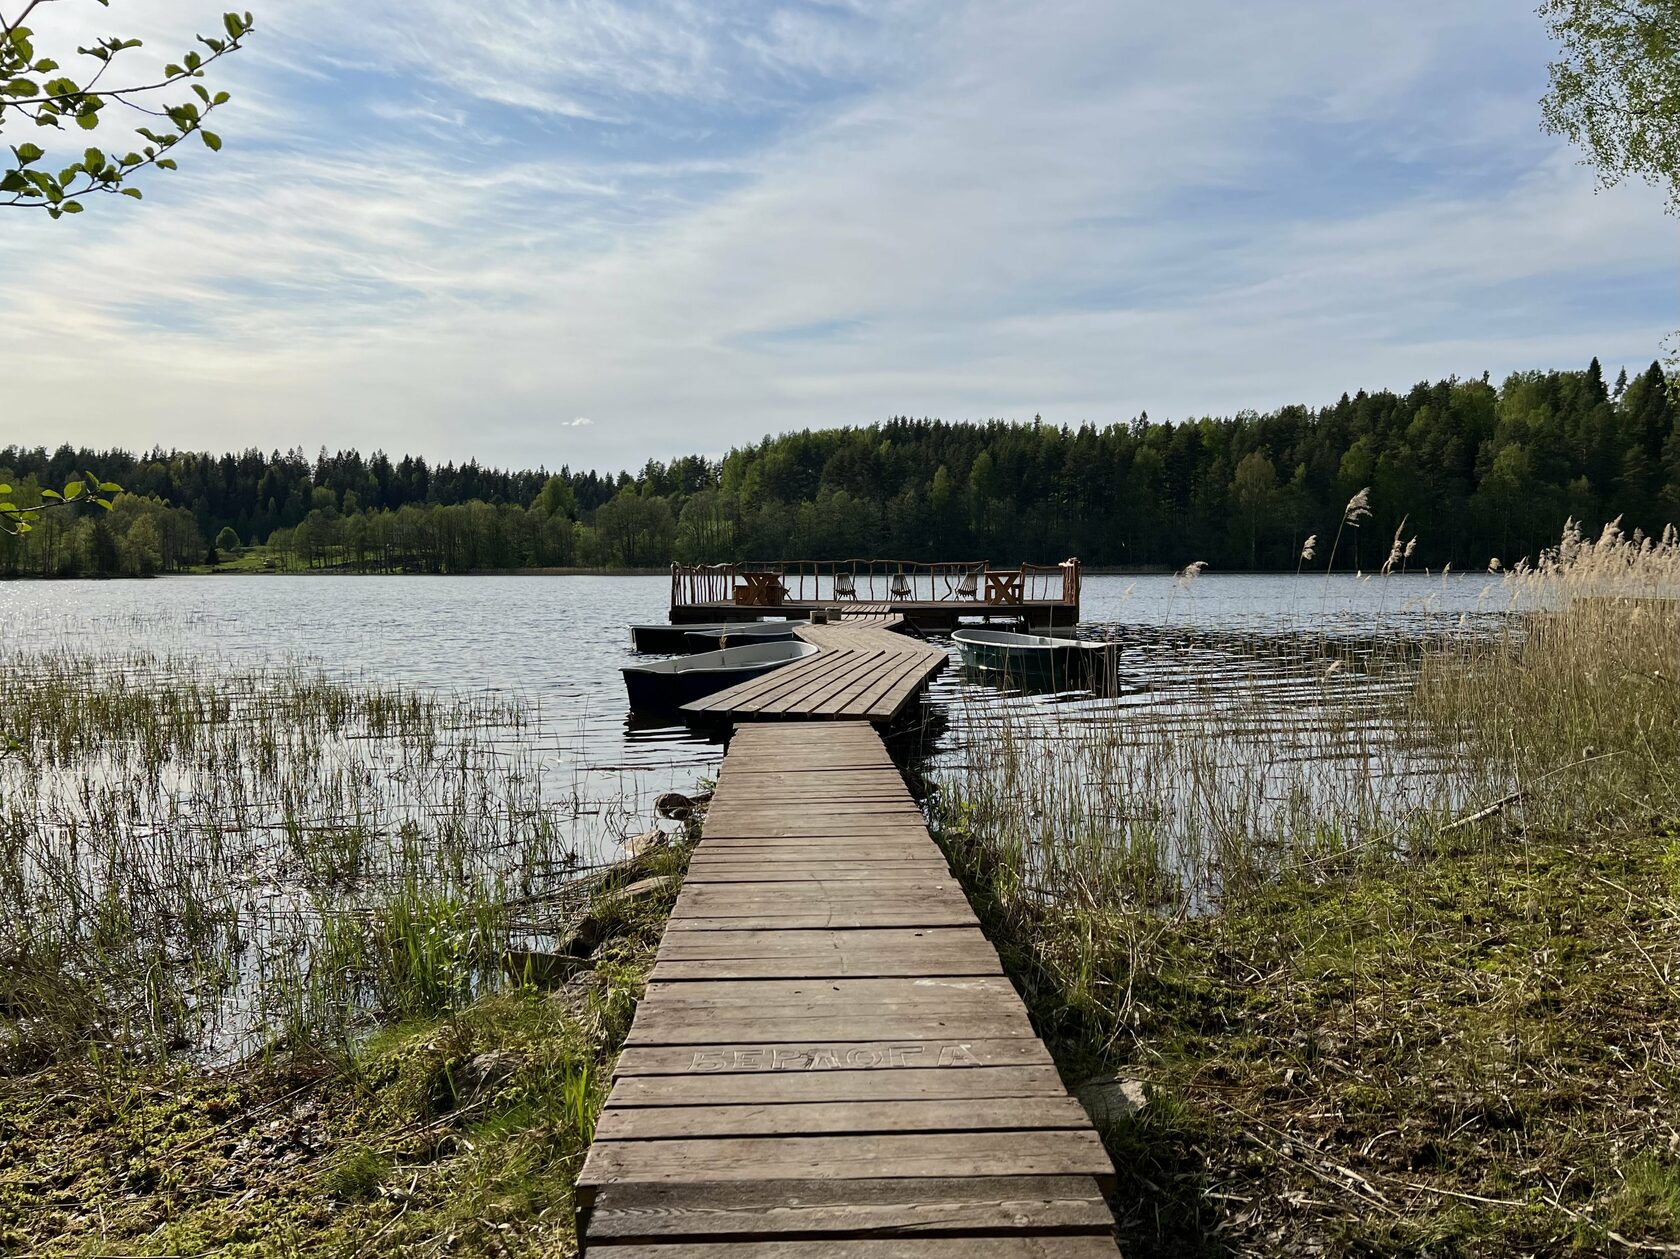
1042	598
829	1059
865	670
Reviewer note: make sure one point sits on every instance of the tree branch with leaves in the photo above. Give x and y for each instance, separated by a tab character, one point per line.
87	488
36	91
1615	88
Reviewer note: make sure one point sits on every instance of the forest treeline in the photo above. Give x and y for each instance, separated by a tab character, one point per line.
1472	470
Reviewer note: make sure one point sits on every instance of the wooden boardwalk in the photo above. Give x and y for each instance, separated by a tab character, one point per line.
865	671
829	1060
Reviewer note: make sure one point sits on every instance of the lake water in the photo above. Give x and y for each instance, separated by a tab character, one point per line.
559	642
1265	684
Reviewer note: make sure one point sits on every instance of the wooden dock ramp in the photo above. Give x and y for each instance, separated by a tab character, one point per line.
864	670
829	1060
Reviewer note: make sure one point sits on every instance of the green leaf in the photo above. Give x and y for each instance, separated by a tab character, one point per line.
132	192
52	494
12	181
222	98
4	489
104	502
212	141
73	491
234	26
27	153
166	163
173	71
193	60
72	207
46	65
87	121
109	487
93	161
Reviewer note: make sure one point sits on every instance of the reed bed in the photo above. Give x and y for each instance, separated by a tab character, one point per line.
1386	931
258	991
212	863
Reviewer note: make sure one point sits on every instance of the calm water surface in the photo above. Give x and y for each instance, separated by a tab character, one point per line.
559	642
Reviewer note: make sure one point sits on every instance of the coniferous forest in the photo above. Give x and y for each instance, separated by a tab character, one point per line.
1473	470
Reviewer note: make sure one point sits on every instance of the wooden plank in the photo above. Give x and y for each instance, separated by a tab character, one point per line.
768	1087
738	919
826	696
873	993
815	1119
771	683
656	1026
813	683
823	943
816	872
890	695
1049	1246
853	966
815	1057
1053	1152
623	1214
797	680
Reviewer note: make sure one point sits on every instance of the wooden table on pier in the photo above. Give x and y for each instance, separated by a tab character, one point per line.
829	1059
863	670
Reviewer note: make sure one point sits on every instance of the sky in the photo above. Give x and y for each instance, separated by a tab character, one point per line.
591	232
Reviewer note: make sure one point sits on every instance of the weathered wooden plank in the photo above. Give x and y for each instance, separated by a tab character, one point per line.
1055	1152
826	696
624	1214
655	1026
739	944
727	918
1047	1246
815	1119
860	993
767	1087
817	872
871	965
796	680
814	1057
774	682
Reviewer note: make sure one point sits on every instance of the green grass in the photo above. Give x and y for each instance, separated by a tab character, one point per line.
1473	1054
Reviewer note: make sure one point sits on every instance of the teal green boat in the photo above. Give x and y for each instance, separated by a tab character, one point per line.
1037	660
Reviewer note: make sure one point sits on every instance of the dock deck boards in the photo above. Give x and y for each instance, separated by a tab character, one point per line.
828	1059
864	669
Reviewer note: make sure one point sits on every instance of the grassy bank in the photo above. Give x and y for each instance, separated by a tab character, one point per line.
458	1132
1392	966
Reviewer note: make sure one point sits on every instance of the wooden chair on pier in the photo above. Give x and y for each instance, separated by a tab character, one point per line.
844	586
901	588
969	587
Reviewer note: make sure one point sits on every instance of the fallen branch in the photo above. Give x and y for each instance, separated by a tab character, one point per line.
1505	802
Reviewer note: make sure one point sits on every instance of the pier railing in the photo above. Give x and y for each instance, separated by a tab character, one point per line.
873	581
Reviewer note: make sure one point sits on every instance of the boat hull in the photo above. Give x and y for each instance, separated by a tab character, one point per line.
1032	661
664	686
708	638
671	639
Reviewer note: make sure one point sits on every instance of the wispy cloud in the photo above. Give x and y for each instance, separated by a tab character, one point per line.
438	231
